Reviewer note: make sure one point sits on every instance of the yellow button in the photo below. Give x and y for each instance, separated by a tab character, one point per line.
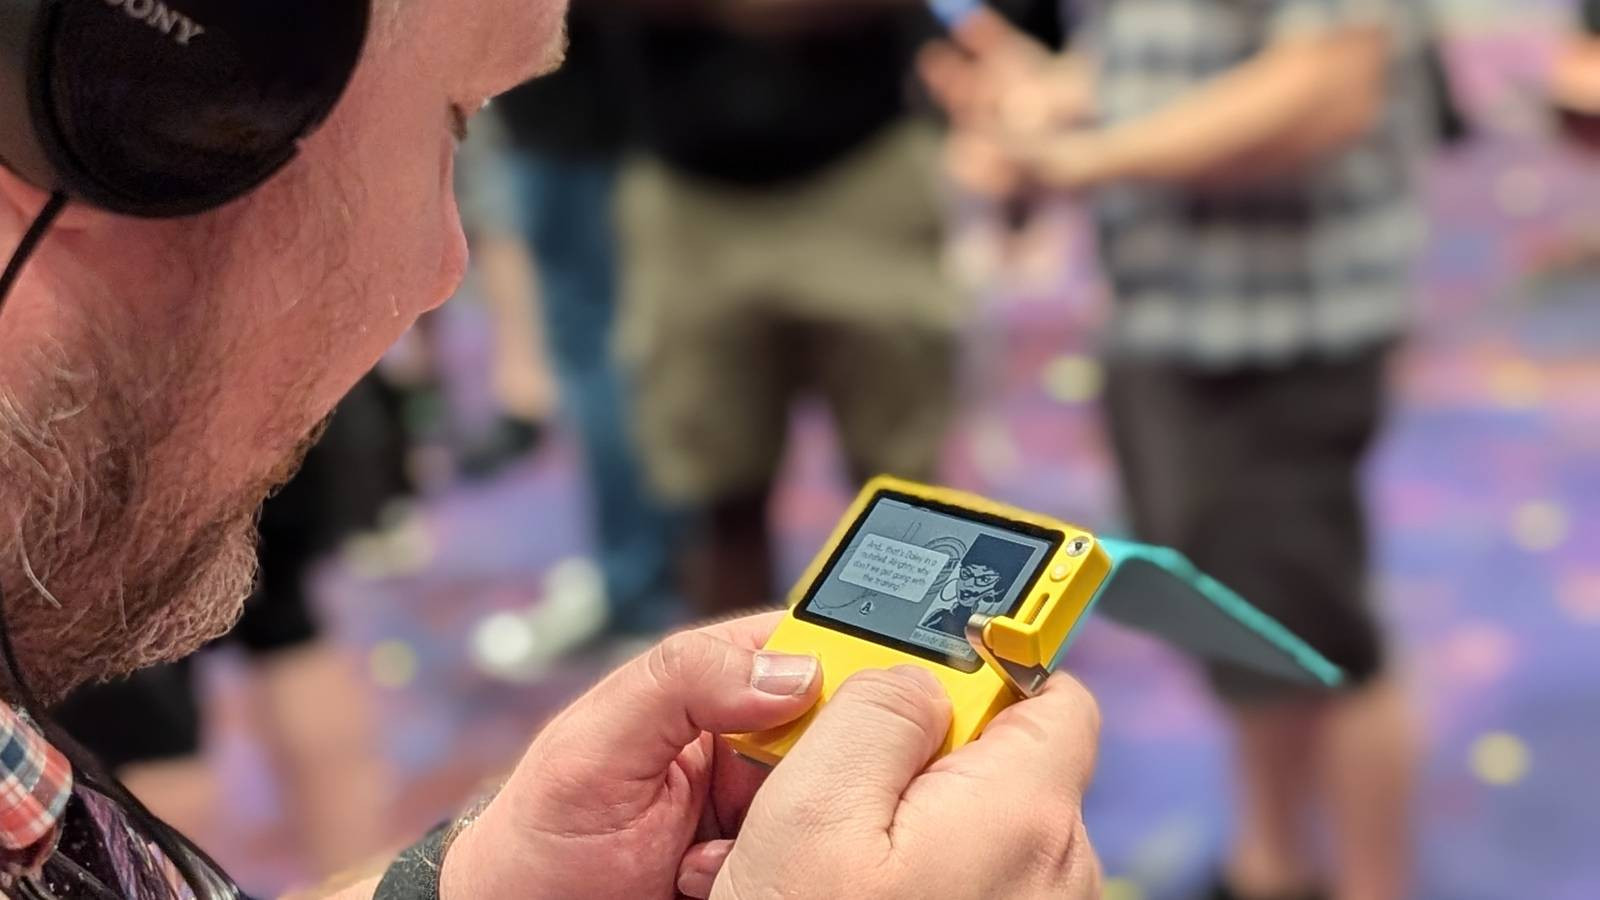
1060	572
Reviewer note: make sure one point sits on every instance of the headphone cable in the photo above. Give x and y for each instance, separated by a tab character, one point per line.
30	243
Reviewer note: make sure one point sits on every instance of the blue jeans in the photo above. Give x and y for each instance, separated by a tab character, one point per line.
567	219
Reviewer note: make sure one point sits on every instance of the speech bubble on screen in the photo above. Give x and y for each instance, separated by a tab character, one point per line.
894	567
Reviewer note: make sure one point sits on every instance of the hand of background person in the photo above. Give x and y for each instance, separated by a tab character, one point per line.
978	162
856	810
999	167
1006	94
616	788
1574	87
992	77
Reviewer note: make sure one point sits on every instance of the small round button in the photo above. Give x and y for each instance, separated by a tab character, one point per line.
1060	572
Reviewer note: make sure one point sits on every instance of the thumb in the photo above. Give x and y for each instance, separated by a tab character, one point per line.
857	757
649	710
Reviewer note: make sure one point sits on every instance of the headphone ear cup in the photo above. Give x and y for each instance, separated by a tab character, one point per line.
156	108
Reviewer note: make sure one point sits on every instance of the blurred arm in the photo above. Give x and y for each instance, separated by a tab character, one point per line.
521	378
1300	99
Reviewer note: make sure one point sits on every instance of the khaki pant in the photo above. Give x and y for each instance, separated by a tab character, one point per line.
739	300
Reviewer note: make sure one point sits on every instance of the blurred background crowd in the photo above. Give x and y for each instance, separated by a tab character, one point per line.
736	257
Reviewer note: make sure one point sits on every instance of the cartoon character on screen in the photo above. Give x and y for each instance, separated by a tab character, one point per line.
981	584
865	602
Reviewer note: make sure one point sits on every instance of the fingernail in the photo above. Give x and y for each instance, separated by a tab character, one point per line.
782	674
700	875
695	883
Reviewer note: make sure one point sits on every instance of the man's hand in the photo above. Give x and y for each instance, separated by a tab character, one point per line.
856	811
993	76
983	166
1001	87
616	788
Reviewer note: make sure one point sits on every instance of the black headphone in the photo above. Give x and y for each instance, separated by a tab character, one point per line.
161	108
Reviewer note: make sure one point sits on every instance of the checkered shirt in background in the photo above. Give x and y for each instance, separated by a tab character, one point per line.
1318	264
35	784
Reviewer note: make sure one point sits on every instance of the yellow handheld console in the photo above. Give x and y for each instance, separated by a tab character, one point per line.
978	593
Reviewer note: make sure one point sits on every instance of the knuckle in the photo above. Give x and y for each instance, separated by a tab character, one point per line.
893	695
792	843
1065	857
1082	876
894	690
816	813
684	657
826	812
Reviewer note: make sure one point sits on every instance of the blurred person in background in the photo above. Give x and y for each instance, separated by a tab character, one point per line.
566	135
304	700
1252	174
782	232
501	277
502	271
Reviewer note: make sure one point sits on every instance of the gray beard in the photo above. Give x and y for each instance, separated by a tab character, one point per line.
109	566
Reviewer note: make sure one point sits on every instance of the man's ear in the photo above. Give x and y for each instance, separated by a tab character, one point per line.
22	201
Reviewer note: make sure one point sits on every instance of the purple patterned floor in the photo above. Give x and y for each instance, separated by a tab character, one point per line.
1487	487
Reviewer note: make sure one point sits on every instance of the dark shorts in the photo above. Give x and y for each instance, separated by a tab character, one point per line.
1256	476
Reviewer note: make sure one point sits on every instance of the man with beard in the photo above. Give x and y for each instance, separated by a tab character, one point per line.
159	375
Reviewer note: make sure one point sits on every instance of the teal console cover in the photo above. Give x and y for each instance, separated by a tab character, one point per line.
1159	592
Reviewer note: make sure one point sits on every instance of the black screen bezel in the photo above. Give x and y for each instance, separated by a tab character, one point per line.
1054	537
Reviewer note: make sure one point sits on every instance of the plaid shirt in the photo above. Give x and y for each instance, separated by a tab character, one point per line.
35	784
1316	264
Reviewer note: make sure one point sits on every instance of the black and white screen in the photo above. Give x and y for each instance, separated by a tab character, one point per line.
912	572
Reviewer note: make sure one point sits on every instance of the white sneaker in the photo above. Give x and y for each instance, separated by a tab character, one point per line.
521	645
